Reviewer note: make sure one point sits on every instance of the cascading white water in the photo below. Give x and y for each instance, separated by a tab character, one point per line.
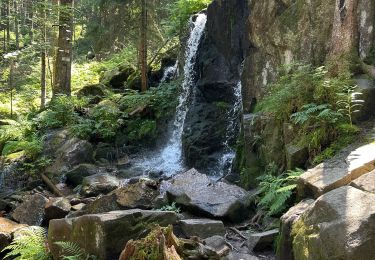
169	158
226	161
169	72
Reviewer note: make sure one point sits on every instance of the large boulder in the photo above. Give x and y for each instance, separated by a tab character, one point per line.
94	92
76	175
202	228
101	183
339	225
7	228
57	208
334	173
139	194
105	235
117	77
198	193
31	211
72	152
284	251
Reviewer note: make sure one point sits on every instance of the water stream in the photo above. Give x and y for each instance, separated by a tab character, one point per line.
169	159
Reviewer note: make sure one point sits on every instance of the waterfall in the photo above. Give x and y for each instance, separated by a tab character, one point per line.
169	73
226	160
169	159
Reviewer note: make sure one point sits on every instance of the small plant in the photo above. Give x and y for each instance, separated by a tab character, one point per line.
349	102
275	191
72	251
172	207
30	244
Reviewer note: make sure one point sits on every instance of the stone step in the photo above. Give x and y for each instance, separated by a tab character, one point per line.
337	173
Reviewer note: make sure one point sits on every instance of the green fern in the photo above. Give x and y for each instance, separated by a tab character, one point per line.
275	191
30	244
72	251
172	207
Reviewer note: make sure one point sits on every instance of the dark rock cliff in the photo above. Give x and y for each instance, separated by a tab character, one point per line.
218	67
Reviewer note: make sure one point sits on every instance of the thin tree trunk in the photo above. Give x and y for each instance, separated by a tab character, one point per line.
16	25
143	47
10	86
63	61
8	24
43	58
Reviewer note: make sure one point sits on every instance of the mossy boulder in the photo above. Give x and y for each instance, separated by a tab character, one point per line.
105	235
77	174
94	92
339	225
117	77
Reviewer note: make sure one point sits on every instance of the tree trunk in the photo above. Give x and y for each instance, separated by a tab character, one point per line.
8	24
16	25
143	47
63	60
43	56
345	27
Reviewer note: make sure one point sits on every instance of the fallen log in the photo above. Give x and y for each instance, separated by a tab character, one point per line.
51	186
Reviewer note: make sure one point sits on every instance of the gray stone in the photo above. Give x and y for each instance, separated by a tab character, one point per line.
334	174
202	228
338	225
31	211
71	153
262	241
365	182
57	208
296	157
140	194
101	183
240	256
76	175
285	251
198	192
105	235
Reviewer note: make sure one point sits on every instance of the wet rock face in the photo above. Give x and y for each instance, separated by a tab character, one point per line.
217	73
105	235
196	192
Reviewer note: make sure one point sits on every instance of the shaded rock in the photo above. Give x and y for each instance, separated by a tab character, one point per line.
338	225
116	78
197	192
73	152
139	194
287	220
202	228
296	157
365	182
262	241
334	174
101	183
57	208
366	86
54	139
77	174
217	244
7	228
94	92
31	211
107	151
105	235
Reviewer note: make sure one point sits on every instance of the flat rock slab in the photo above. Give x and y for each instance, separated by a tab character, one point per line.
334	174
198	193
202	228
105	235
365	182
338	225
